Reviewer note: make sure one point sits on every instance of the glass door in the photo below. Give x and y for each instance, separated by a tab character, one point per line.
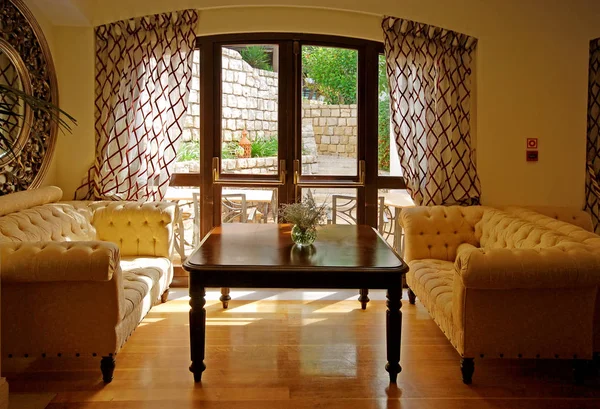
329	165
249	162
283	116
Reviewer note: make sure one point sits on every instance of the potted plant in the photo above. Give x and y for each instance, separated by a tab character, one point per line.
305	216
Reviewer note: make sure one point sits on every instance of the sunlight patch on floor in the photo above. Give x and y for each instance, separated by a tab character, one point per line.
345	306
254	306
308	321
230	321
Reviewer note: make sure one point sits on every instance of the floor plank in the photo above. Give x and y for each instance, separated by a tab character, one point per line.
317	353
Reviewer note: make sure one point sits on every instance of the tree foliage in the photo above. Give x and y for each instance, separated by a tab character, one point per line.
332	72
383	119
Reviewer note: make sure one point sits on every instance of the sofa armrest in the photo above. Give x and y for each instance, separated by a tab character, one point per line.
58	261
553	267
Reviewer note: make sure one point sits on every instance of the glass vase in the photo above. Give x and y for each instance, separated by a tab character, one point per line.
303	237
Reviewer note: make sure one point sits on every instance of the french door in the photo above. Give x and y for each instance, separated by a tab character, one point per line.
283	116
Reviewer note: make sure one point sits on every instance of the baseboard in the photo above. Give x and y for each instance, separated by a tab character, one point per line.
3	393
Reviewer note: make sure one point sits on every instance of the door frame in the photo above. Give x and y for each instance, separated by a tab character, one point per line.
290	102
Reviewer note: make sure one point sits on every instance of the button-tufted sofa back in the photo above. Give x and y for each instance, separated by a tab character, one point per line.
436	232
554	217
502	230
48	222
148	232
580	229
37	216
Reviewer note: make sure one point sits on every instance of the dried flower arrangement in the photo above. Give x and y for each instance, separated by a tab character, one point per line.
304	214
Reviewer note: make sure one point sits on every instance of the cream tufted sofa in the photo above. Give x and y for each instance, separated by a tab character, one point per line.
576	224
500	286
78	277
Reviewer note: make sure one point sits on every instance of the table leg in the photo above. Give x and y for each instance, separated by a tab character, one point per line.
197	330
225	296
393	331
363	297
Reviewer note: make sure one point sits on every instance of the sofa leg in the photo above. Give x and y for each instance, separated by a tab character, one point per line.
107	366
165	296
363	297
579	370
467	367
412	297
225	297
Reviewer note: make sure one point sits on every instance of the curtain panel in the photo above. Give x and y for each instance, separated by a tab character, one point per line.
592	179
143	79
429	74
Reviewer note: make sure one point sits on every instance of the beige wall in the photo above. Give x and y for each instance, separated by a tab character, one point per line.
75	67
531	77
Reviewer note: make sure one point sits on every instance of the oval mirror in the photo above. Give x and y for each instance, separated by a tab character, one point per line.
15	115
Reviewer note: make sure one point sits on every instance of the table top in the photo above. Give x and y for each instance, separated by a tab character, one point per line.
343	256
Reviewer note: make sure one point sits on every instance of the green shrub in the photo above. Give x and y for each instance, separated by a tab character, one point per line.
333	72
188	151
263	147
228	150
257	56
383	128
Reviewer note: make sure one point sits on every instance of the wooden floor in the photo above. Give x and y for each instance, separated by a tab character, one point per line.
319	353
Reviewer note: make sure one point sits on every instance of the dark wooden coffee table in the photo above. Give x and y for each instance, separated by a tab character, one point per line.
264	256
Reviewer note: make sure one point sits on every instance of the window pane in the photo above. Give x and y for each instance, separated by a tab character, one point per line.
329	111
390	203
340	203
250	95
388	159
188	151
248	205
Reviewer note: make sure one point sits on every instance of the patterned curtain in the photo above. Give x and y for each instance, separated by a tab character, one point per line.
592	180
143	78
429	73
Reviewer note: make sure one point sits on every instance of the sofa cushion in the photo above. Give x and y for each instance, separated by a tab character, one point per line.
431	280
144	280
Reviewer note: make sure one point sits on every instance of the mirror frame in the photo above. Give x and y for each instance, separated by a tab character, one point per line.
20	141
20	29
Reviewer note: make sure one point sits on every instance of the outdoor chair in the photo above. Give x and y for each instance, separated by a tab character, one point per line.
234	209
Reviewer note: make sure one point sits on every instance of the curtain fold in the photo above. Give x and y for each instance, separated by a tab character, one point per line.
143	78
592	179
429	74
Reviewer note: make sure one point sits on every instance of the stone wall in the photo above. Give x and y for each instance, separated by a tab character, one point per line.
249	100
335	128
253	166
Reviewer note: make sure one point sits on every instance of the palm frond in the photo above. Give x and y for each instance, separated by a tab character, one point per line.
9	97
